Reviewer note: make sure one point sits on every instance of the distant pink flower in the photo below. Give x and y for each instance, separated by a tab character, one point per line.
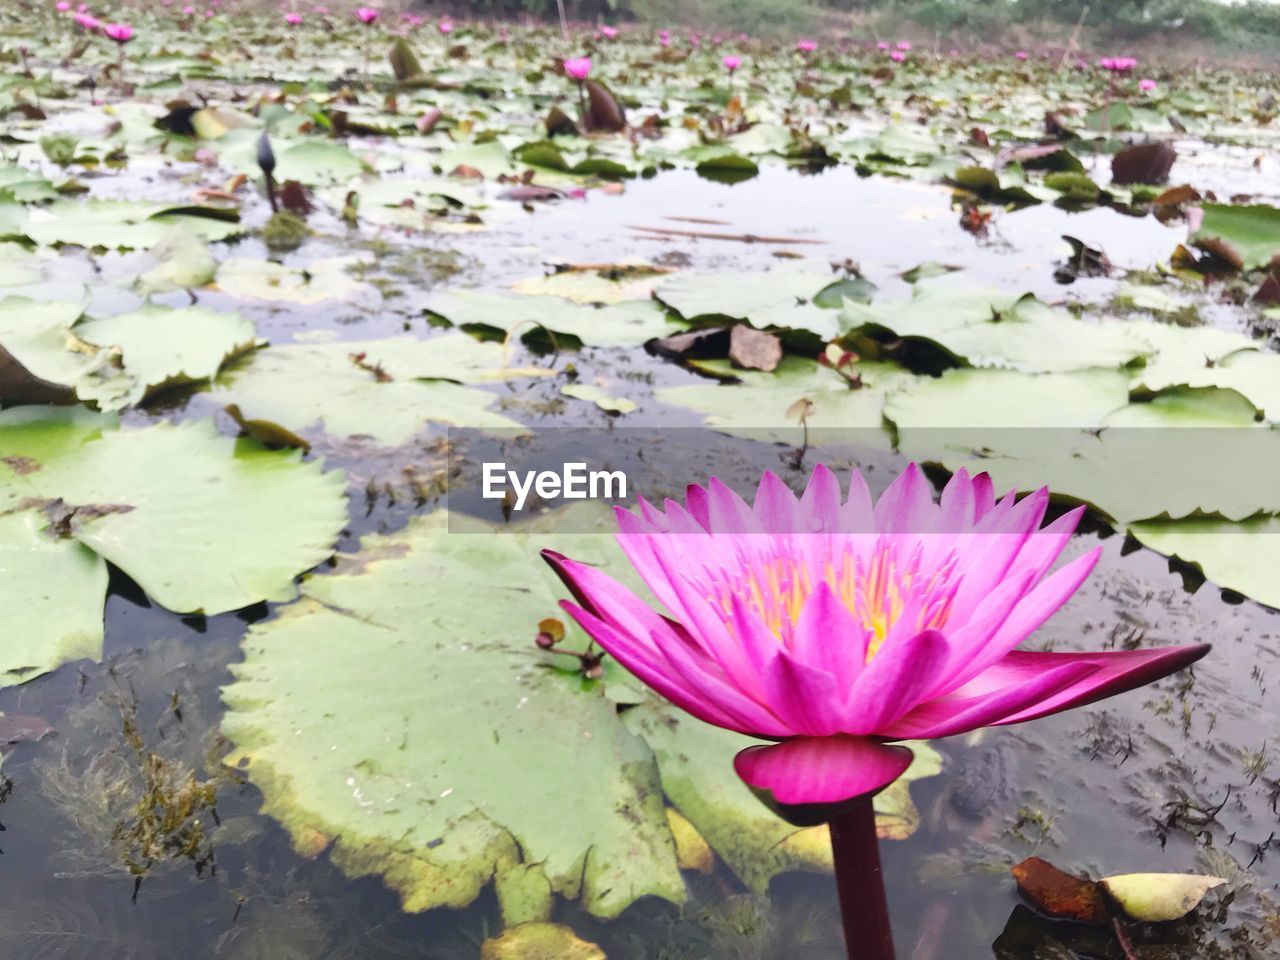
86	21
898	56
609	33
882	45
62	6
1146	84
1022	55
366	14
578	68
293	19
904	44
1118	64
188	10
731	63
835	624
119	32
955	52
806	46
445	27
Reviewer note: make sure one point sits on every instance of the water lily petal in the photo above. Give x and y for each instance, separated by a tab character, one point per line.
959	714
895	681
1118	672
907	505
822	770
803	697
1040	603
820	504
775	506
828	635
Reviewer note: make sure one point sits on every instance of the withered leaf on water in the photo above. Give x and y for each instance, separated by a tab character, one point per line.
293	197
707	342
560	124
754	349
1159	897
1059	894
1269	292
1143	163
604	113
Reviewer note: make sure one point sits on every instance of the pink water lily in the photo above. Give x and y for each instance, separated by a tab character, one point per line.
609	33
366	14
834	624
731	63
806	46
119	32
898	56
445	27
1147	85
86	21
578	68
1022	55
293	19
62	6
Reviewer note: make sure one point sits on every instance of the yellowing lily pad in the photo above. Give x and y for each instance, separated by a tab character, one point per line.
1159	897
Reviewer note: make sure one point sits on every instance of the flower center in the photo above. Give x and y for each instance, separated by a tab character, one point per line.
871	580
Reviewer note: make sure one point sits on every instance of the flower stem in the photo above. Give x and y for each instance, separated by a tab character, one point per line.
860	882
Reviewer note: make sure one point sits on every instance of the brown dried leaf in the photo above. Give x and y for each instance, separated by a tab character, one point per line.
1143	163
1058	894
604	113
754	349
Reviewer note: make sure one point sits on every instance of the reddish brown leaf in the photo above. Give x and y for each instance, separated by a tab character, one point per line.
1178	195
754	349
466	173
978	137
1269	292
604	113
293	196
560	123
1059	894
707	342
1221	251
1055	125
1143	163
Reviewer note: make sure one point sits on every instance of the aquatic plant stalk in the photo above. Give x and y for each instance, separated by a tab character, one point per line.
864	907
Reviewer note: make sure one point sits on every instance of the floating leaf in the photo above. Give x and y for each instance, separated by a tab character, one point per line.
481	710
223	525
539	941
1249	236
1159	897
1058	894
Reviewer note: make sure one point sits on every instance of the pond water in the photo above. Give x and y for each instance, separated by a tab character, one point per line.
1176	777
124	834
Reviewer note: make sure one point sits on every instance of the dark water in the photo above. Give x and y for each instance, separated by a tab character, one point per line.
1181	776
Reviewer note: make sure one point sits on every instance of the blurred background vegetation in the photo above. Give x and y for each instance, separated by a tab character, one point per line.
1251	26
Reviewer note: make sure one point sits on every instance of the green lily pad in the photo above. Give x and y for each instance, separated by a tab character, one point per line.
392	394
778	298
1251	232
985	327
626	324
182	261
762	405
419	791
162	347
125	224
203	523
326	279
54	591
